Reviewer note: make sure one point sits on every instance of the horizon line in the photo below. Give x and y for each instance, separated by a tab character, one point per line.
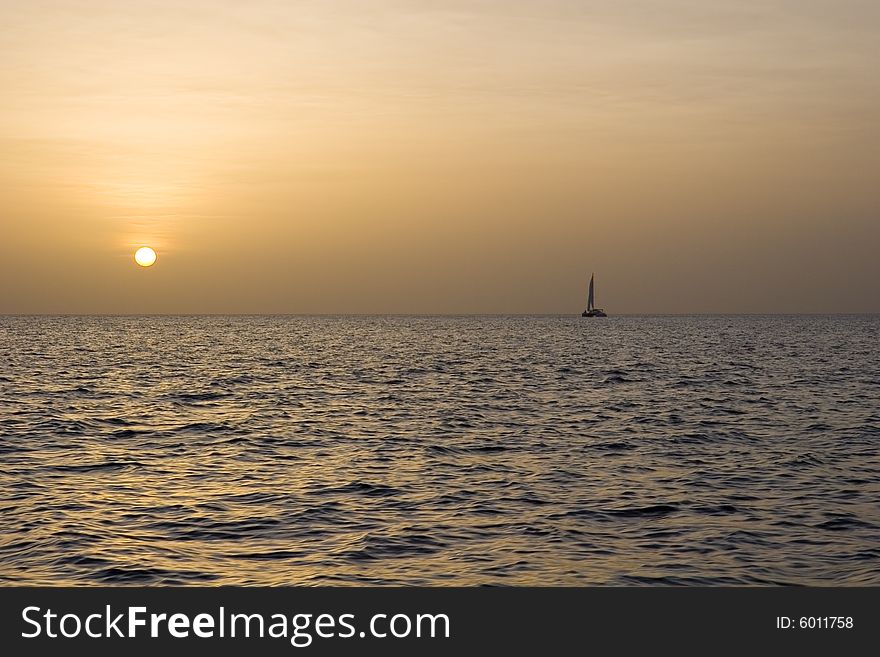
452	314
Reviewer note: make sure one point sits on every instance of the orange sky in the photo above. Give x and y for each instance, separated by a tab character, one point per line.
441	157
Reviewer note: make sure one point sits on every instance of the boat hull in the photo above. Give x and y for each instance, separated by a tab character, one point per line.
593	313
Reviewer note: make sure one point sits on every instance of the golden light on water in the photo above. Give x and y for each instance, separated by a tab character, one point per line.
145	256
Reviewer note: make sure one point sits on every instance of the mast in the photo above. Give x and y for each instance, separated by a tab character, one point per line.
590	304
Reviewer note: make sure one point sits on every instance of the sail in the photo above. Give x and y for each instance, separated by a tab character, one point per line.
590	298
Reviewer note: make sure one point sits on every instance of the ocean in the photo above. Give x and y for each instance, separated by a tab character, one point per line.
481	450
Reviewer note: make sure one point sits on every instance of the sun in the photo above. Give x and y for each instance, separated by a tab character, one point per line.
145	256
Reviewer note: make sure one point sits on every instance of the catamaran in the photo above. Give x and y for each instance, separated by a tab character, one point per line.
591	310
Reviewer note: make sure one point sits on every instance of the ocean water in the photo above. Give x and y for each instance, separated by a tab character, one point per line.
440	450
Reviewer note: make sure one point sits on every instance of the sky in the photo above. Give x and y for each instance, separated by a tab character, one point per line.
402	156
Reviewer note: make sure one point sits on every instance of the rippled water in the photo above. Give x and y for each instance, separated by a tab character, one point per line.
440	450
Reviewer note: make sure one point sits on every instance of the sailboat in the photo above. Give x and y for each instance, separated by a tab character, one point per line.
591	310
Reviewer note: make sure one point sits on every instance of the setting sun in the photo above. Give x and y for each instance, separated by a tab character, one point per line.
145	256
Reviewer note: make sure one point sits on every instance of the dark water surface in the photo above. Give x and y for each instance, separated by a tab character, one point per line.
440	450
